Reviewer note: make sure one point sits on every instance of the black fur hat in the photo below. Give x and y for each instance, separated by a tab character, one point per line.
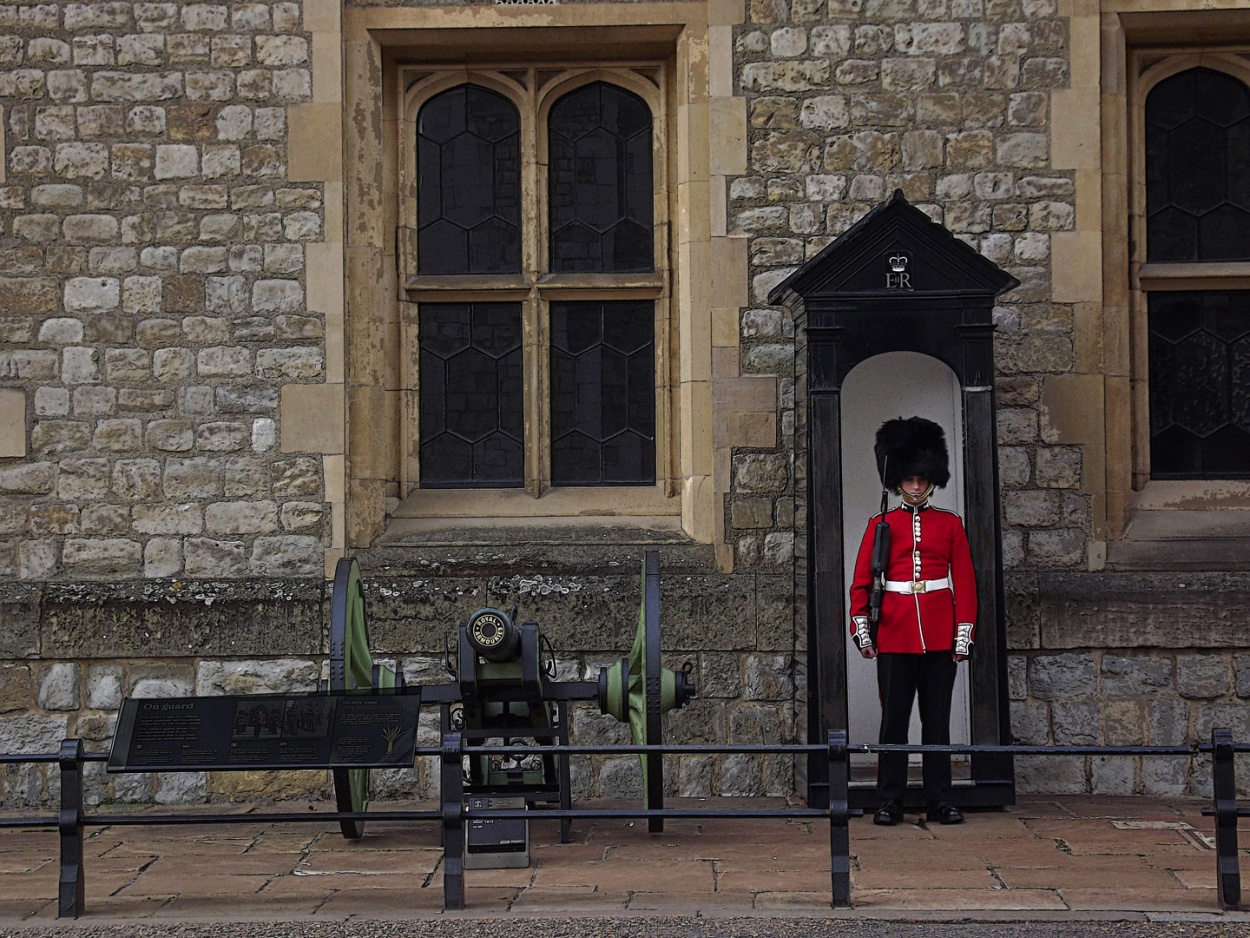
911	447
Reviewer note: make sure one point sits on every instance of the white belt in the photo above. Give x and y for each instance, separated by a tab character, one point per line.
918	586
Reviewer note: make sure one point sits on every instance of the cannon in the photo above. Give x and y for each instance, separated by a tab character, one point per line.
504	691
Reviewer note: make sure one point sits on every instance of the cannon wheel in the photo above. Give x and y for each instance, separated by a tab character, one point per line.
652	766
351	668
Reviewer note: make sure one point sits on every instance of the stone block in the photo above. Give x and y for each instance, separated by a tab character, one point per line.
1131	676
58	686
19	606
1062	677
769	677
92	294
101	557
268	676
16	688
207	557
762	473
1113	775
1202	677
1232	716
290	364
12	422
1076	724
1058	775
1030	724
315	142
1060	548
1168	722
162	557
1165	776
222	437
33	733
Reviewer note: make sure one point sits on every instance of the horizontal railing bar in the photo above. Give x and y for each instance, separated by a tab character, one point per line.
159	820
28	822
657	749
1029	750
675	749
573	813
134	820
782	748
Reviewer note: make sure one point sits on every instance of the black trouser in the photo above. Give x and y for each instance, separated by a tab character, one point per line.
900	677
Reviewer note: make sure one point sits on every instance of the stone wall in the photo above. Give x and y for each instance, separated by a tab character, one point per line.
171	279
950	103
73	652
152	292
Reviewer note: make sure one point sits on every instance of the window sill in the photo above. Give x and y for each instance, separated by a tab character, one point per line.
1183	526
1194	495
624	515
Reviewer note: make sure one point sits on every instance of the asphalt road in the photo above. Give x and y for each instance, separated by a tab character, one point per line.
1180	927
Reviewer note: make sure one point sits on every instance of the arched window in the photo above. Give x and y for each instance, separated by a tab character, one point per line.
600	190
469	183
537	294
1197	170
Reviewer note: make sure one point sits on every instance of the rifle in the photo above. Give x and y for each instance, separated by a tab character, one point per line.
880	560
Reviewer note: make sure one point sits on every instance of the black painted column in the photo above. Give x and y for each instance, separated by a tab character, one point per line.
826	614
989	717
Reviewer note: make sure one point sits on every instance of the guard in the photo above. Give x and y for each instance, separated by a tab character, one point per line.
914	609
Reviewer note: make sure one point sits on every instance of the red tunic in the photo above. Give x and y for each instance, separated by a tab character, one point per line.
926	545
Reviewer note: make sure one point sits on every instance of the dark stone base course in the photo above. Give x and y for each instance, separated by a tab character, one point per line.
1128	610
585	600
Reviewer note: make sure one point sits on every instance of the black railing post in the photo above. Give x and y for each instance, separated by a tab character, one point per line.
452	792
1224	791
564	773
839	832
71	890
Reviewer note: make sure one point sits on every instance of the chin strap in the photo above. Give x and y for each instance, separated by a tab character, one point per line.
921	499
963	638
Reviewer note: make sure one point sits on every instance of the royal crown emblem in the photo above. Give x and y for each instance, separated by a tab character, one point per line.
897	275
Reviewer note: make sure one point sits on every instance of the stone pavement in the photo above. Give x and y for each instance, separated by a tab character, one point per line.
1046	857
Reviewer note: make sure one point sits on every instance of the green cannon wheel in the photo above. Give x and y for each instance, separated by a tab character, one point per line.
352	671
639	691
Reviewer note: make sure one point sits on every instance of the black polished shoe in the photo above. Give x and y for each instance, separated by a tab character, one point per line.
945	813
889	814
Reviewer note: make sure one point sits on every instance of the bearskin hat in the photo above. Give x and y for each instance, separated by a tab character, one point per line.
911	447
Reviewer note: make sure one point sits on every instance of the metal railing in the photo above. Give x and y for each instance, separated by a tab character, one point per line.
453	815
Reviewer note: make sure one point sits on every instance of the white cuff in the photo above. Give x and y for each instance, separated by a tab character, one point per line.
963	638
863	637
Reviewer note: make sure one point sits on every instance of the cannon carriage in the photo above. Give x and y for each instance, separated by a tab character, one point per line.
504	692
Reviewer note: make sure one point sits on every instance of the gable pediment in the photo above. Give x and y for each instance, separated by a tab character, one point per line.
896	251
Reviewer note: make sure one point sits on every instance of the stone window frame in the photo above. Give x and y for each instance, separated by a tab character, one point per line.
1139	48
533	85
696	40
1150	66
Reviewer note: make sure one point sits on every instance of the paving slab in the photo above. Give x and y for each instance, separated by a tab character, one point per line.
1052	856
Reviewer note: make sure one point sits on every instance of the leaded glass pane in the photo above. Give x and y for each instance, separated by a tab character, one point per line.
600	182
468	183
471	401
1200	384
1198	168
603	393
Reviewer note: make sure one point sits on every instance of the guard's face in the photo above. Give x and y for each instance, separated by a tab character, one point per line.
916	489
